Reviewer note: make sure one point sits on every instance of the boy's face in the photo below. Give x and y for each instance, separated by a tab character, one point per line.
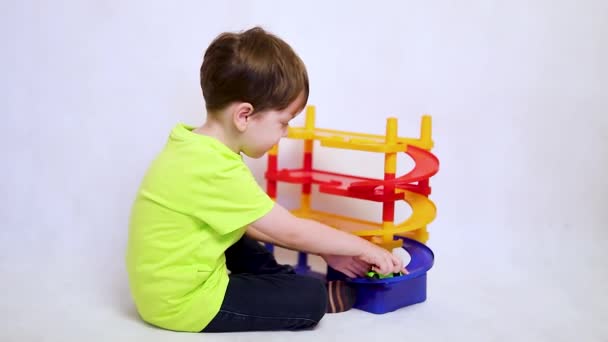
266	128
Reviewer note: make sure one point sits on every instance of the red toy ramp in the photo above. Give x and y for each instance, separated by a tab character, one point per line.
426	166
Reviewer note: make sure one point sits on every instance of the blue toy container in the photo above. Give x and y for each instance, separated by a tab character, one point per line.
385	295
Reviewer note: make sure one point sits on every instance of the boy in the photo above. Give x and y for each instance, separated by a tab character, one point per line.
199	212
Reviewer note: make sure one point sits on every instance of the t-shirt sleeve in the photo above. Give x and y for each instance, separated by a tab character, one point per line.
230	198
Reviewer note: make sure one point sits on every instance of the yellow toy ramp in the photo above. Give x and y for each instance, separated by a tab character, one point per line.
423	213
356	141
344	223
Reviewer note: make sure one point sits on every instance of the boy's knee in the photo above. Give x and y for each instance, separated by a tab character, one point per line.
315	298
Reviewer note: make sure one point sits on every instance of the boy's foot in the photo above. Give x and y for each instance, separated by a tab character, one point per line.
341	296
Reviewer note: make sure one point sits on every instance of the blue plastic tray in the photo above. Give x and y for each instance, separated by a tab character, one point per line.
385	295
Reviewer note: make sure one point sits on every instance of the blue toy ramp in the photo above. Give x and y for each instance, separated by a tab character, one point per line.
385	295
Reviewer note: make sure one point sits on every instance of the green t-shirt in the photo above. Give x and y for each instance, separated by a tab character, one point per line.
195	201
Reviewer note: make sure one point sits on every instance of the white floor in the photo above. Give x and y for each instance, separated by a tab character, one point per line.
523	291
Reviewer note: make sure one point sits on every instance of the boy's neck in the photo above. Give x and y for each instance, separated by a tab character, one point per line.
217	130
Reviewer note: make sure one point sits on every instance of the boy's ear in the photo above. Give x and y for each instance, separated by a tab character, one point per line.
240	115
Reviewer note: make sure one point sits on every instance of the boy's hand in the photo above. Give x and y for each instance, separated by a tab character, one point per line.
382	261
351	266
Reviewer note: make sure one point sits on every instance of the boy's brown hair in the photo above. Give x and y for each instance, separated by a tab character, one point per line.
253	66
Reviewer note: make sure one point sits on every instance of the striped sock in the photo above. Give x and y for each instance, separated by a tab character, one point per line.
340	295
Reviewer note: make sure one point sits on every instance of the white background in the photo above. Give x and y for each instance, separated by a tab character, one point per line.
518	95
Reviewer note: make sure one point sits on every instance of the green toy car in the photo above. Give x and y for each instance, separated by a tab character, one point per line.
374	275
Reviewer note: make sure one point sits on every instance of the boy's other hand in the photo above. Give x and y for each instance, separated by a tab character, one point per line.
351	266
382	261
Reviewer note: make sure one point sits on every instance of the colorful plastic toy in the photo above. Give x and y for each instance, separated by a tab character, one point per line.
374	295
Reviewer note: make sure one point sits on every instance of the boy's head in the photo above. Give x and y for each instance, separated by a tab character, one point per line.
253	66
257	78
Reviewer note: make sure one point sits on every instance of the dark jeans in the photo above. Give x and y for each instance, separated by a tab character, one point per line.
263	295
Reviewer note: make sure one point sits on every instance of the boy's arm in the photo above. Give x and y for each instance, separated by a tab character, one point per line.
311	236
351	266
259	236
255	234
